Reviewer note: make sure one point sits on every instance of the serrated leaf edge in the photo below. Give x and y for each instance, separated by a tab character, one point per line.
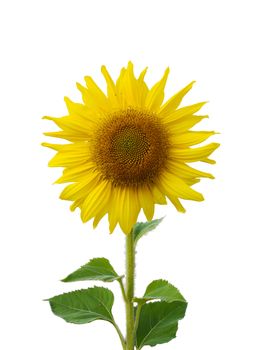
168	284
142	344
113	277
137	238
83	290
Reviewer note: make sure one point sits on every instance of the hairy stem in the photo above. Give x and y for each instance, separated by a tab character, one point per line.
120	335
122	290
137	317
130	267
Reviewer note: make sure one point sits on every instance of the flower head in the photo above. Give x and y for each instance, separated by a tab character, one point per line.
127	150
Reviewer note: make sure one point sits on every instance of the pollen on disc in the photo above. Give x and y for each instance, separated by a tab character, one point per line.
131	147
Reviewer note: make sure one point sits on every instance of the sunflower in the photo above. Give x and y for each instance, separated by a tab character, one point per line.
128	150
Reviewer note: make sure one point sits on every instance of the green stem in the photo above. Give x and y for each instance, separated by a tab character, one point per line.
137	317
122	290
120	335
130	267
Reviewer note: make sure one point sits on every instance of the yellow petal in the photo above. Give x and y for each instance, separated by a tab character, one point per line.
185	171
143	88
182	112
191	138
155	95
99	216
129	208
191	181
159	197
76	173
81	189
120	88
176	202
172	104
69	155
66	136
55	147
96	200
76	204
111	88
133	90
172	185
77	147
184	124
92	101
194	154
114	214
97	94
74	126
62	159
146	202
130	87
142	74
80	112
210	161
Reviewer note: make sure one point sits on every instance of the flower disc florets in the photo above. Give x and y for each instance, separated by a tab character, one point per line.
131	147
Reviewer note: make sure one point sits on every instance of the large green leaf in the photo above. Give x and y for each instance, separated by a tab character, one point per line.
84	306
163	290
158	322
96	269
141	228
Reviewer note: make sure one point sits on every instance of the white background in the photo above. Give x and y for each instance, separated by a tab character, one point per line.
212	253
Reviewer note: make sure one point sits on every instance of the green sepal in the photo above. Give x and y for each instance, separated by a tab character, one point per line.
158	322
98	269
141	228
84	306
163	290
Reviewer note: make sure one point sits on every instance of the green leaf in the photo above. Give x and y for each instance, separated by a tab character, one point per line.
96	269
158	322
141	228
163	290
84	306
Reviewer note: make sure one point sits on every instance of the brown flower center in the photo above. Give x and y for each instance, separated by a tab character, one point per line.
131	147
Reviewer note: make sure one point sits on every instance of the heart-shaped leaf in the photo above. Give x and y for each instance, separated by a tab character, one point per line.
158	322
84	306
96	269
141	228
163	290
